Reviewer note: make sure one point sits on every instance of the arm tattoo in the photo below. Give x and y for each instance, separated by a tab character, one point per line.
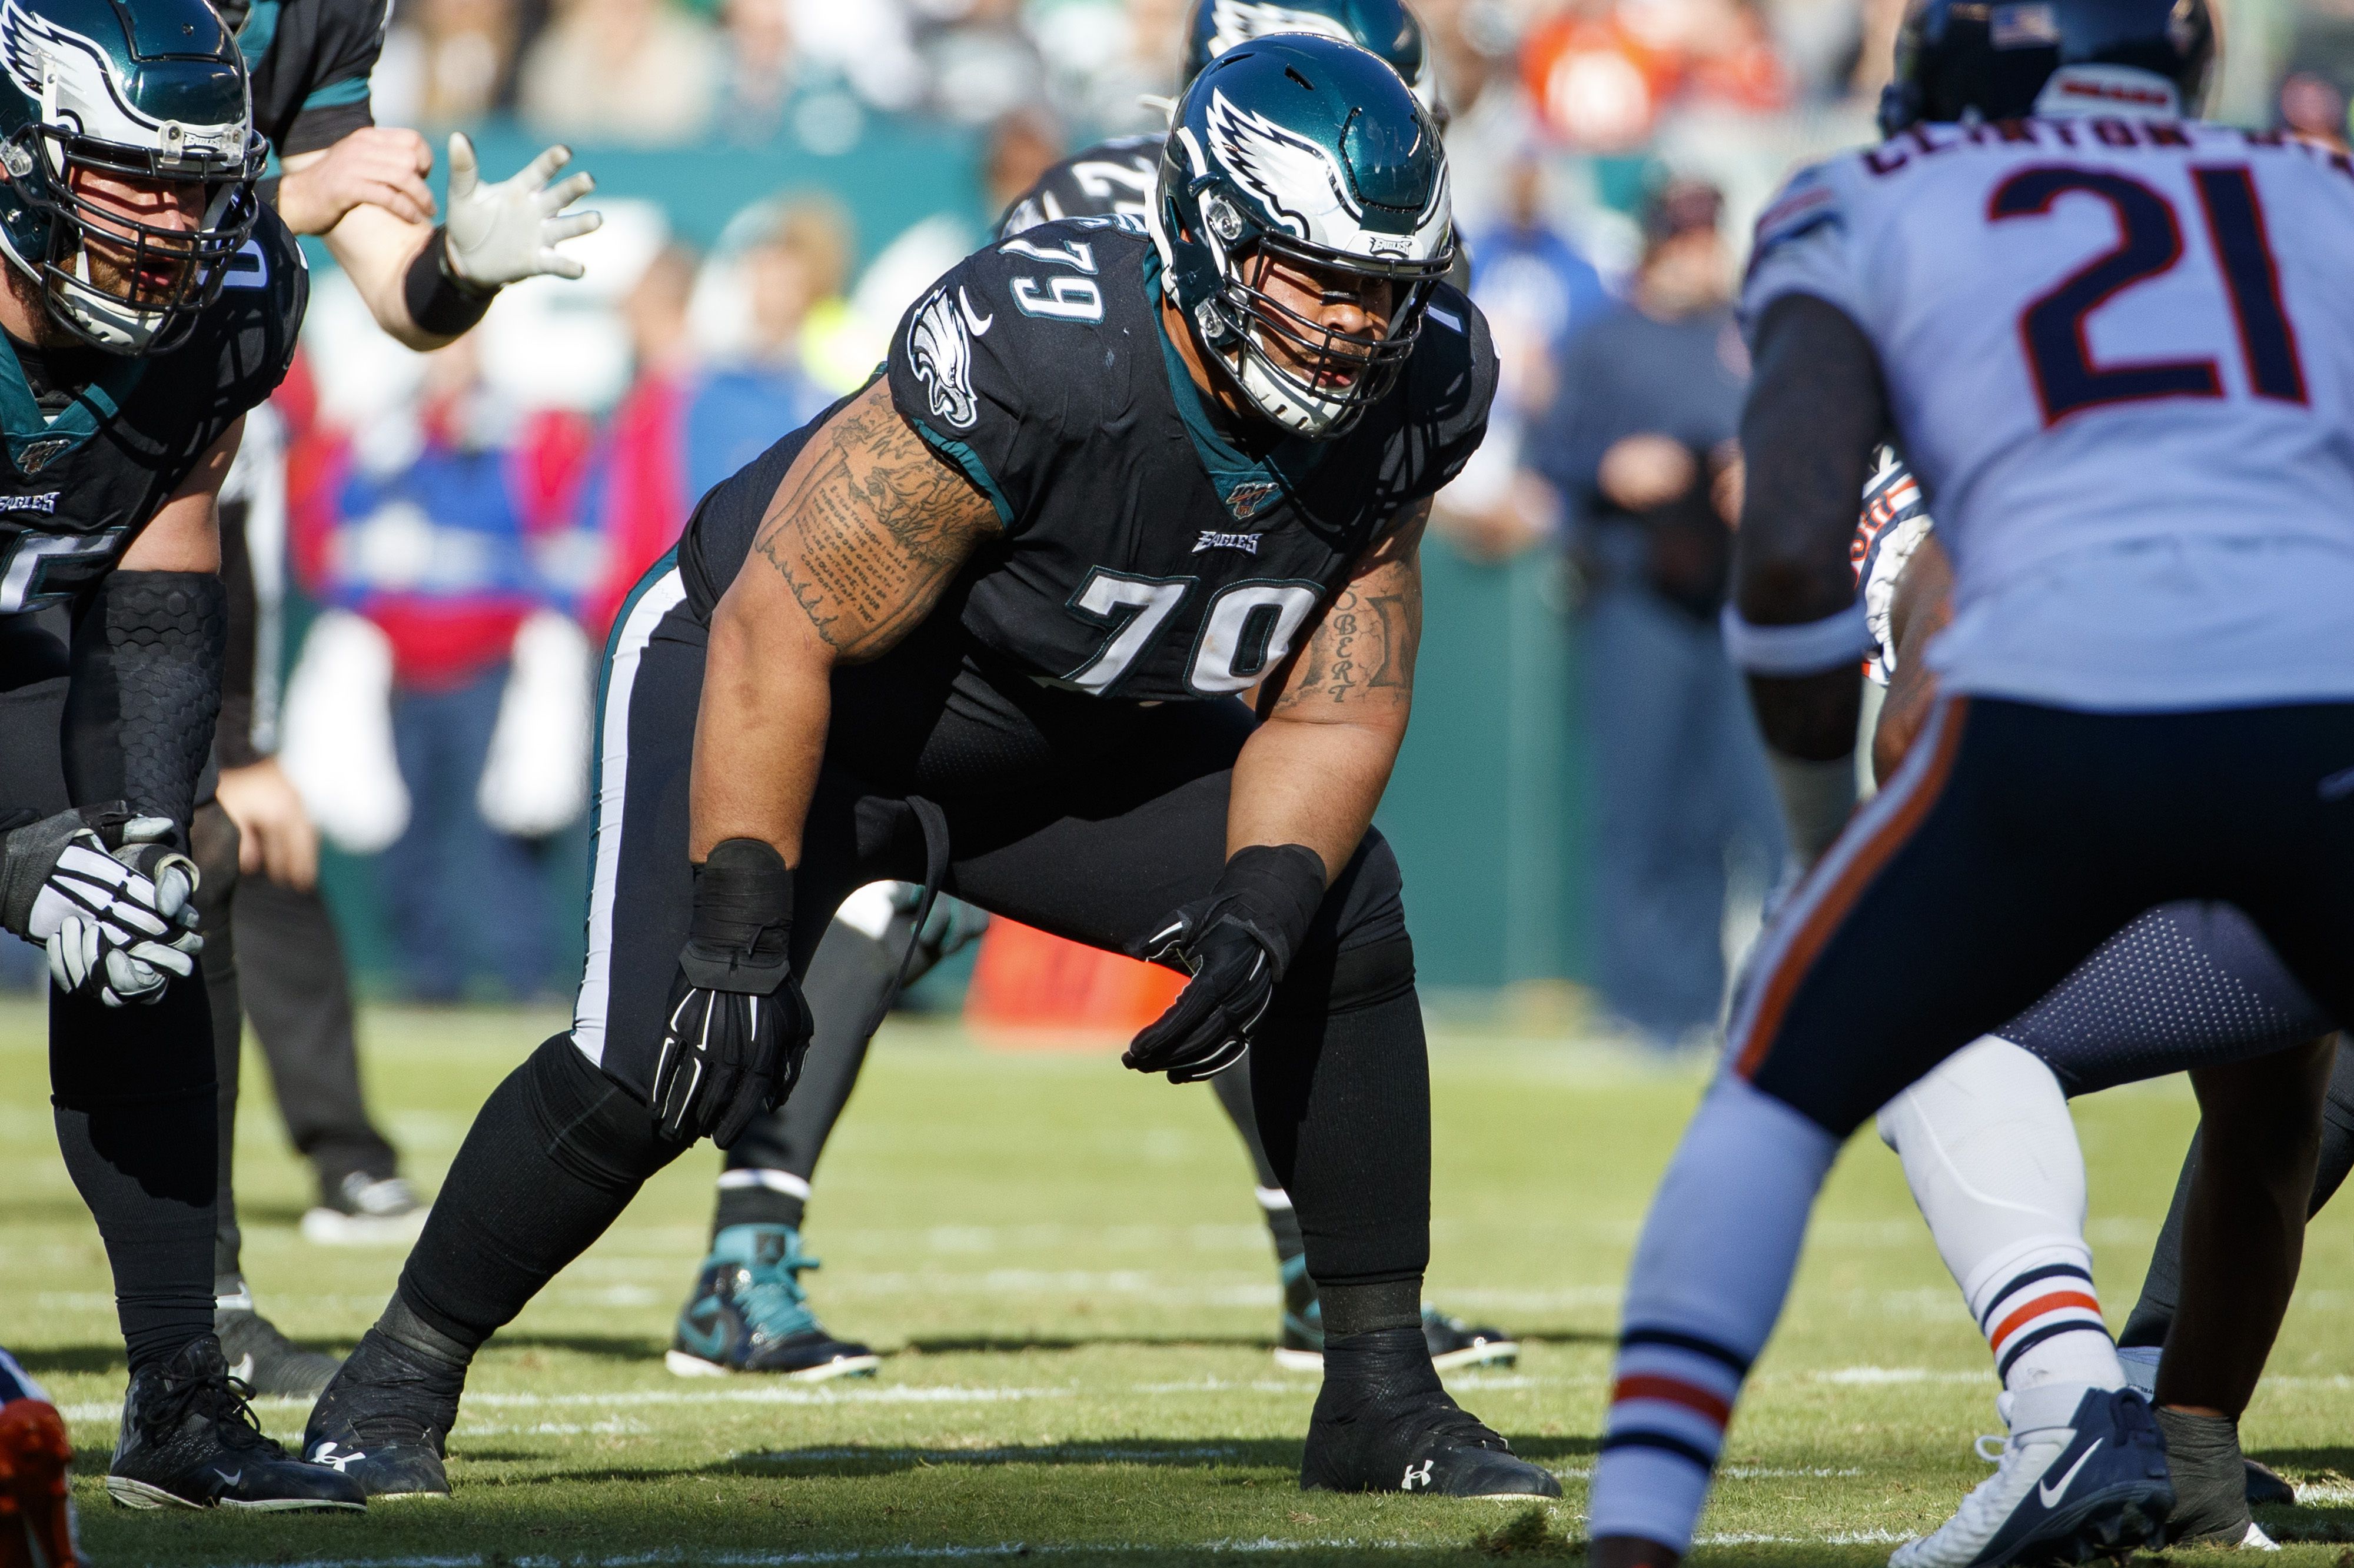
1364	646
868	527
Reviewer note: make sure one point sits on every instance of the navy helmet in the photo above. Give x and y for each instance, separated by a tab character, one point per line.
1968	59
1385	26
1309	155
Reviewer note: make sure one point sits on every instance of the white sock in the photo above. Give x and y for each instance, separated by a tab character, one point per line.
1992	1159
1708	1279
2140	1362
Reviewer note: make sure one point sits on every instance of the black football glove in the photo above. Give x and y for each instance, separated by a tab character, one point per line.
1236	944
109	897
737	1026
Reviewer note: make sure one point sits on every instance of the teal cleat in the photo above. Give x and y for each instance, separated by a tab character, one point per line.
749	1314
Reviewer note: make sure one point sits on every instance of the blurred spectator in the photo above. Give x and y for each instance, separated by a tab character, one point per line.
448	61
1022	147
436	552
761	67
623	71
1535	289
981	60
1641	445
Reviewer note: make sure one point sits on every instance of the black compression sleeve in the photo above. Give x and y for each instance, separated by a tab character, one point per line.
147	656
438	299
233	735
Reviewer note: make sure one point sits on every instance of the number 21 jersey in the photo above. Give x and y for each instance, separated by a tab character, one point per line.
2119	354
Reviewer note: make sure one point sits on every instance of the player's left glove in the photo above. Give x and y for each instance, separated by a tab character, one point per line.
737	1026
106	894
1236	944
500	234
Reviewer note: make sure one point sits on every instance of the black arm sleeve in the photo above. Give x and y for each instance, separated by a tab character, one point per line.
243	604
148	651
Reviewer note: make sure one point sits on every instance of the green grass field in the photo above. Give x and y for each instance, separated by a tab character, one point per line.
1065	1265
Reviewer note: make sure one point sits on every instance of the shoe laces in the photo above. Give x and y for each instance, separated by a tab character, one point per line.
772	1290
1991	1455
219	1398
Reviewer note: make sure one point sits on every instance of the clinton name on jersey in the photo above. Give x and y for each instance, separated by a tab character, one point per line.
1145	556
77	487
2110	336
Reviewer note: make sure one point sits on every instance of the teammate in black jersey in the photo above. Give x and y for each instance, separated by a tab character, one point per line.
985	624
150	301
361	187
748	1311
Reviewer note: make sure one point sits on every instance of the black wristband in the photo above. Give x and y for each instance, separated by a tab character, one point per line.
740	935
1276	890
438	301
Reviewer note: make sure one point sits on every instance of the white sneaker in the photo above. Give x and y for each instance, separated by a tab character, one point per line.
2083	1474
368	1210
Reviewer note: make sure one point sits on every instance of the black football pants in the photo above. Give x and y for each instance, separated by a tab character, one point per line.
1090	819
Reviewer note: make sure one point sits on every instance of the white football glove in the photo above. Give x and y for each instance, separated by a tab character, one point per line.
499	234
119	924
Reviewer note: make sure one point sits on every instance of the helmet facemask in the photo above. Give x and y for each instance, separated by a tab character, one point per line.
1312	378
121	281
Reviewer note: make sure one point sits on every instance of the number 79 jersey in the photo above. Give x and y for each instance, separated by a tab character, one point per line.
2107	336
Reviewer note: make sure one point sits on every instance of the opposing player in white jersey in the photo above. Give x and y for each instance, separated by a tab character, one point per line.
2125	391
1992	1158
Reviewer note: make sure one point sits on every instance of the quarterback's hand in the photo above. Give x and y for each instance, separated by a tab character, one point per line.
501	233
737	1028
376	165
276	837
1236	944
108	895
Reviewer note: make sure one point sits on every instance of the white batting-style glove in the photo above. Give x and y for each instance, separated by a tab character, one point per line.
498	234
119	923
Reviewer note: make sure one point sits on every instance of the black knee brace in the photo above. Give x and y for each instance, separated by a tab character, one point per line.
1357	954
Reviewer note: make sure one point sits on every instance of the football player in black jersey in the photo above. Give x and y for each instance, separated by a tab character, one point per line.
748	1311
990	625
150	301
360	187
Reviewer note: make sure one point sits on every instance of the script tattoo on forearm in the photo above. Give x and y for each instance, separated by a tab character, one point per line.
868	527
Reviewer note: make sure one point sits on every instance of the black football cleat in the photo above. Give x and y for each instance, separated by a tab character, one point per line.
272	1365
1383	1424
1456	1344
382	1423
189	1440
2267	1487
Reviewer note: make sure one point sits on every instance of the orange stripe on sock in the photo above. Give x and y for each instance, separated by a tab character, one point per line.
1672	1391
2058	1300
1832	904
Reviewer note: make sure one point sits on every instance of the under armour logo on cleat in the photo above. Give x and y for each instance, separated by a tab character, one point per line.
325	1455
1416	1475
2048	1494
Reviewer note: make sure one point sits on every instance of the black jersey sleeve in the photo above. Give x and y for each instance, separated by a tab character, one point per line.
994	363
310	83
259	317
1453	376
1110	179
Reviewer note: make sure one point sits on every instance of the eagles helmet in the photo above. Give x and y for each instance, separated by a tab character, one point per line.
104	96
1385	26
1310	153
1962	60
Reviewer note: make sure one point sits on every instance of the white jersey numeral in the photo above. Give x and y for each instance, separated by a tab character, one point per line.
1066	299
1135	608
24	563
1075	253
1247	633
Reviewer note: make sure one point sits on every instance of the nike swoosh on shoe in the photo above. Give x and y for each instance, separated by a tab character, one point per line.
2048	1494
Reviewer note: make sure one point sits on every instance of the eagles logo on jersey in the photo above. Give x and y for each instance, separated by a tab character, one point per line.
940	353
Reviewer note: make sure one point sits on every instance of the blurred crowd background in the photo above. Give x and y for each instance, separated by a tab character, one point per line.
1582	809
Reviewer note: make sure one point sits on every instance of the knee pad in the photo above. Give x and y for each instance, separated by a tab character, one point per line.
1357	954
595	1128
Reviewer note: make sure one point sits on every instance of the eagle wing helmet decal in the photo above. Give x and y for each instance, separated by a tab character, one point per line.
1233	21
67	75
939	344
1296	179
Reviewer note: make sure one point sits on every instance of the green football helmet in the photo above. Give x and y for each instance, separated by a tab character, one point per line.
1385	26
1308	154
127	162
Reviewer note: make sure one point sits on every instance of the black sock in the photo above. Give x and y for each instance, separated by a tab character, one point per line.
755	1206
135	1104
1343	1104
554	1156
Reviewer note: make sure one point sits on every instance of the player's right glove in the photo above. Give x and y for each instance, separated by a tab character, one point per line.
737	1026
1236	944
106	894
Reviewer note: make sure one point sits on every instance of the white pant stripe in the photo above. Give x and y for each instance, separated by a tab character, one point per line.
613	763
